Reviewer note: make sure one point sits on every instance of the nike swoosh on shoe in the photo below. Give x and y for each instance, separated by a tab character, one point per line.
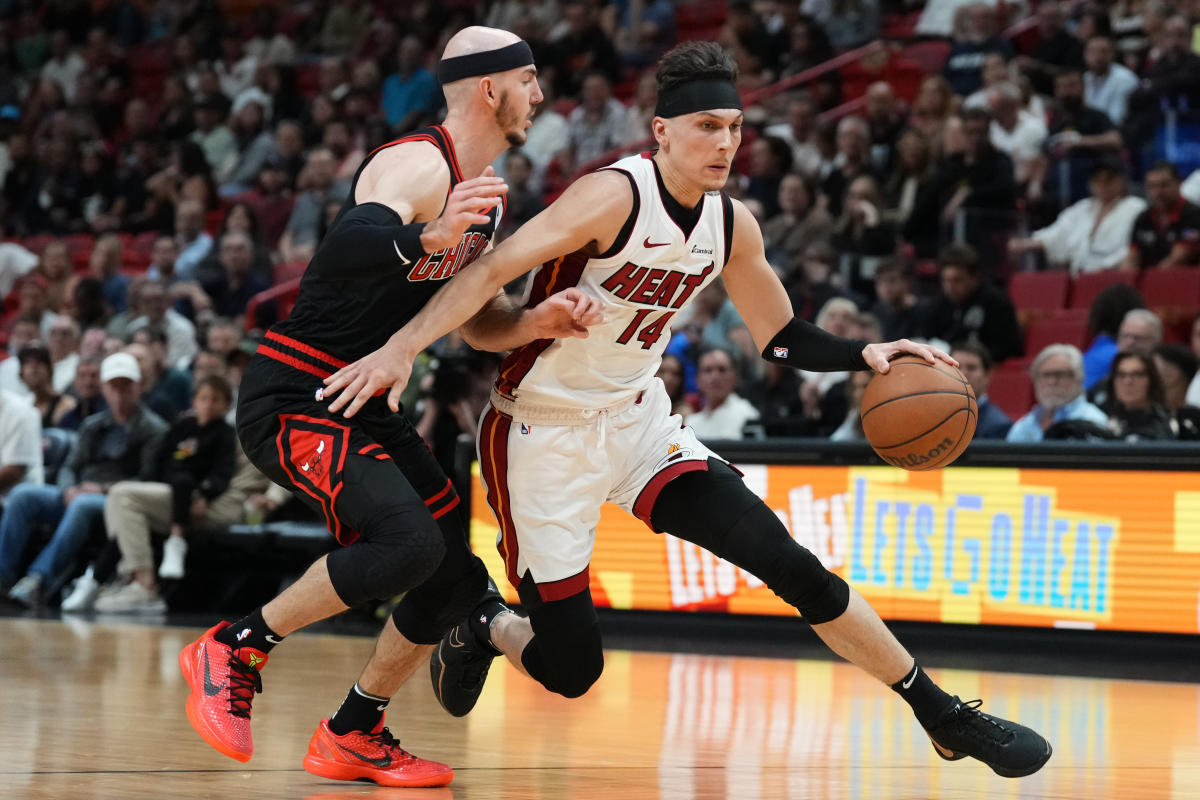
211	689
381	763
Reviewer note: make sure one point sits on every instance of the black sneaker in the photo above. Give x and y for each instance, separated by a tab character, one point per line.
459	665
1011	750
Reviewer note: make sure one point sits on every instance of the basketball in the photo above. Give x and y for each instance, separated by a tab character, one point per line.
919	416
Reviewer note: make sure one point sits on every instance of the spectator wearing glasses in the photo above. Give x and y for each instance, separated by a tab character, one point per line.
1058	385
1137	405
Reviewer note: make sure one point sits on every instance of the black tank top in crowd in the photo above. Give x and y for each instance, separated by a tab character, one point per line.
347	318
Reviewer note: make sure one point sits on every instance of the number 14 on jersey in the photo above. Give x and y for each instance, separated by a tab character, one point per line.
650	333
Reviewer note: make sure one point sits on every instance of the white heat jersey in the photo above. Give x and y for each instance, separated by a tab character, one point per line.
645	279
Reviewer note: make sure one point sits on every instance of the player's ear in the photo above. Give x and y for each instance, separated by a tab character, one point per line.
658	127
489	90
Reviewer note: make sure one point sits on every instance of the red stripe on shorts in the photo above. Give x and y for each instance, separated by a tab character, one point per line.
643	507
493	452
567	587
308	350
292	361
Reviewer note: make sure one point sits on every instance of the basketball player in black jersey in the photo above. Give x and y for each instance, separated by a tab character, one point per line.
697	124
413	220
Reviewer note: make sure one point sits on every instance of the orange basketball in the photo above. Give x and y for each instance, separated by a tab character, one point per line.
919	415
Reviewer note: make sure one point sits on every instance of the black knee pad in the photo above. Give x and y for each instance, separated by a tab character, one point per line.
565	654
715	510
449	595
403	550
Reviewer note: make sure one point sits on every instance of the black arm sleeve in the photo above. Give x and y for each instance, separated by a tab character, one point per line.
366	239
802	345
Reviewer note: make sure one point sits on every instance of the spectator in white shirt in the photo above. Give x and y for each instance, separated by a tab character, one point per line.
598	124
157	313
1107	85
64	65
20	443
64	351
24	331
800	132
546	137
15	263
1092	235
213	136
1014	131
725	413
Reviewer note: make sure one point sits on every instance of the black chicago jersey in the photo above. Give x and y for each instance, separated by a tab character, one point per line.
348	308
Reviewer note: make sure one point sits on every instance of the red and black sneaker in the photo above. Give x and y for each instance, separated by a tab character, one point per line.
1011	750
376	756
223	683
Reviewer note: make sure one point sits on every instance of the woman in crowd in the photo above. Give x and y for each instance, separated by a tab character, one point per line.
1136	406
37	375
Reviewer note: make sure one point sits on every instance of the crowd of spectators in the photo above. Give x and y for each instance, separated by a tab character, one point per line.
164	164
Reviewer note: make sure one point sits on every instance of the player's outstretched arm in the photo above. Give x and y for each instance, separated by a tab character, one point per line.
592	210
500	326
763	303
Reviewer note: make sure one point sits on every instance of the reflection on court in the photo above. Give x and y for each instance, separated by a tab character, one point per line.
95	710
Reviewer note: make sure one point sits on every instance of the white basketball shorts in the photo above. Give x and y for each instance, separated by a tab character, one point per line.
547	482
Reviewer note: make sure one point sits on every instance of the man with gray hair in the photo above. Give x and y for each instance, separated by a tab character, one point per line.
1058	384
852	161
1141	331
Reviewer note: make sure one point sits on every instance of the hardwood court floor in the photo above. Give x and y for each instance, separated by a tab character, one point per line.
95	710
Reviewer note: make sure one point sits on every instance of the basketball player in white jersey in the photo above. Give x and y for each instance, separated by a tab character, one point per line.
575	422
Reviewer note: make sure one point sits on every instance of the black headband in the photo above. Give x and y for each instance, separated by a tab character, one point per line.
700	95
501	59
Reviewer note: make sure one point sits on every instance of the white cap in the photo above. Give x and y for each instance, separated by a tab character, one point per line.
120	365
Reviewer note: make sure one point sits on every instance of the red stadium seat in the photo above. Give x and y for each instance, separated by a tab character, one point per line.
77	242
1178	286
36	244
1173	294
1085	288
1038	294
1011	389
1042	333
930	56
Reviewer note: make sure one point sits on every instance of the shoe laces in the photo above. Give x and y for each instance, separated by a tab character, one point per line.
981	726
386	740
244	682
474	668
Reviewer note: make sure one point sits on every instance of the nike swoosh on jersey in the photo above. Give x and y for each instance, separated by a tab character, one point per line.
648	243
211	689
381	763
403	260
